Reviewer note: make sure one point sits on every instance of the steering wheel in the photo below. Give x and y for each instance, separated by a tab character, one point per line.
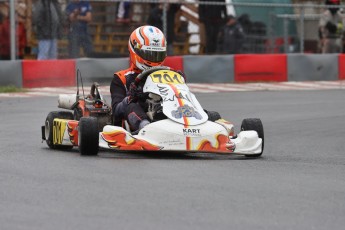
143	75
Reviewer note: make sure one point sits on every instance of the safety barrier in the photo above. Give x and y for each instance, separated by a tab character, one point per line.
209	68
341	65
260	68
48	73
11	73
313	67
198	69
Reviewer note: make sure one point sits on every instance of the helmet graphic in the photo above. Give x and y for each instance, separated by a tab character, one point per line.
147	47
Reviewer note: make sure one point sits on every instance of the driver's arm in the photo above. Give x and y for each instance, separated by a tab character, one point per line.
118	98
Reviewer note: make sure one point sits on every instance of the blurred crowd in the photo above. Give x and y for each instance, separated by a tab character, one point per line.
48	24
49	21
224	33
5	31
331	28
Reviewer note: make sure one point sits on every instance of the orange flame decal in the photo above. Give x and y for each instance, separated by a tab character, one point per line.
222	145
117	140
73	131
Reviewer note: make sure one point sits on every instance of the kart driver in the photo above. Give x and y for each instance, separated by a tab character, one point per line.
147	48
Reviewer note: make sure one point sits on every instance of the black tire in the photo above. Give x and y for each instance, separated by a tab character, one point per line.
213	115
256	125
88	136
49	131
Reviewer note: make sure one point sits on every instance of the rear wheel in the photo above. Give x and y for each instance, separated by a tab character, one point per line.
49	128
88	136
256	125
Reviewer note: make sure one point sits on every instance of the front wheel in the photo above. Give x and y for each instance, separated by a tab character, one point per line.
256	125
48	129
213	115
88	136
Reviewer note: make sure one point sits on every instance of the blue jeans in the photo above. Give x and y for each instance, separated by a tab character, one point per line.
47	49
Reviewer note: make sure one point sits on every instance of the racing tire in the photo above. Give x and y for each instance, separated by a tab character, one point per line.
49	128
256	125
88	136
213	115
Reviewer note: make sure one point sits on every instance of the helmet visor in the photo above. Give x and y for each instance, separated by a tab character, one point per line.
151	54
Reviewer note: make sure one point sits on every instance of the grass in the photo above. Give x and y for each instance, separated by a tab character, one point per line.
11	89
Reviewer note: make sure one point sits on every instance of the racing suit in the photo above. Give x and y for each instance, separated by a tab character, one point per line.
122	107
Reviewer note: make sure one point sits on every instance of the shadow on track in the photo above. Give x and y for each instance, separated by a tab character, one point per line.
173	155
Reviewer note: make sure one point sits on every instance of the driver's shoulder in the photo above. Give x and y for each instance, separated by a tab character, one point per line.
126	74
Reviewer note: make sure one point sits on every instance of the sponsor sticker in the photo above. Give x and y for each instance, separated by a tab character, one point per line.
191	132
186	111
167	77
59	127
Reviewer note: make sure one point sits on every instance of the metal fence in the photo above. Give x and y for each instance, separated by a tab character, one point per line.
287	27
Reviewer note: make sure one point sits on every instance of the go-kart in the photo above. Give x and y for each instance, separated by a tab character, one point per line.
90	105
178	123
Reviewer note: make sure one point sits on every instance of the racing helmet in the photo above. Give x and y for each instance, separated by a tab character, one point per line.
147	47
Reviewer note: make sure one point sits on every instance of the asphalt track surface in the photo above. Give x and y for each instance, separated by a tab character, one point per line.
298	183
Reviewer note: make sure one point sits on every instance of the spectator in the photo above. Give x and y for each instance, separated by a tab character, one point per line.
213	17
48	23
255	40
231	36
3	11
5	47
123	12
79	14
245	22
156	16
156	19
331	28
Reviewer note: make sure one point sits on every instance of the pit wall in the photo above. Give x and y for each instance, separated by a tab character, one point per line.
198	69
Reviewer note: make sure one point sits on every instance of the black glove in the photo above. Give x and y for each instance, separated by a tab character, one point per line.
134	93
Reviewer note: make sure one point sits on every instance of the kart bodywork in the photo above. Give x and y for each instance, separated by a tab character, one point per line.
178	123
